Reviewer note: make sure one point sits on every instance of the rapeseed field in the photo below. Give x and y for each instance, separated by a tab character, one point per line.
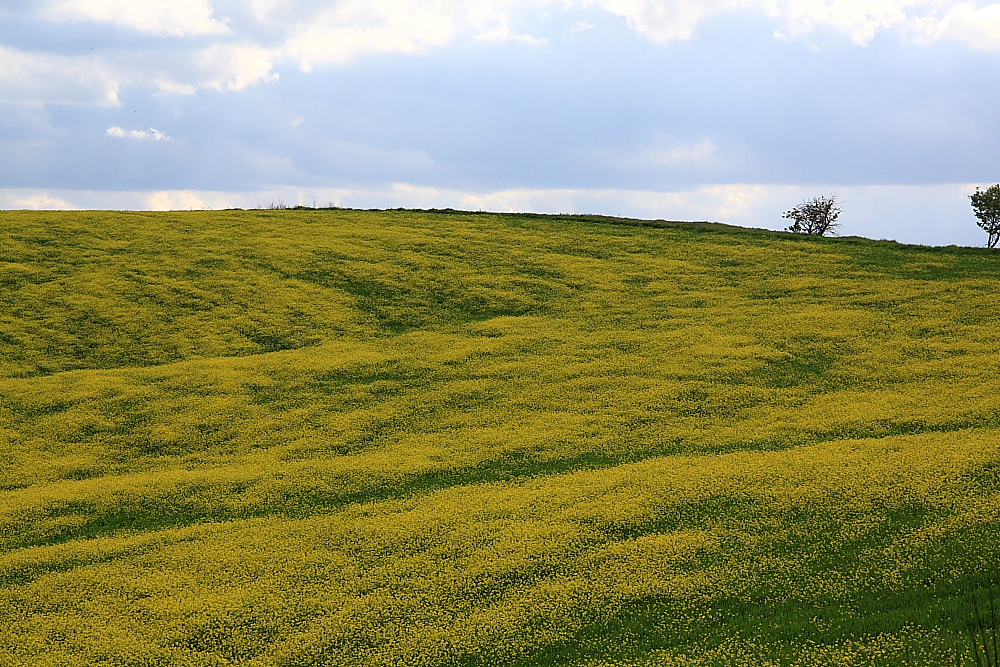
331	437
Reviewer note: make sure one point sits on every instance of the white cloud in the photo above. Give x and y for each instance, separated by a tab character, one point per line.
140	135
341	30
859	19
336	31
46	78
42	201
175	200
159	17
235	66
39	78
980	28
124	200
502	33
920	20
222	66
248	50
668	20
170	87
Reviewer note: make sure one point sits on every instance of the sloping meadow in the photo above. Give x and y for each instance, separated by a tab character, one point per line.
331	437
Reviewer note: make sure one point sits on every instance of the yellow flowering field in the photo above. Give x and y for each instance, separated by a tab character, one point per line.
401	438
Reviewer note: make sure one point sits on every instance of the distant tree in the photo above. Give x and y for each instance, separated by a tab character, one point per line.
986	204
814	216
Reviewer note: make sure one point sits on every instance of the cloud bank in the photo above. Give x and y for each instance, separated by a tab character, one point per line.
177	18
235	44
50	78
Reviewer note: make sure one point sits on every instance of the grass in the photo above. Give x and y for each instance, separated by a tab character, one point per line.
330	437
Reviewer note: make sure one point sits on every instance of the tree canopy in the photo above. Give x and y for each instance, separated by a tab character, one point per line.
816	216
986	204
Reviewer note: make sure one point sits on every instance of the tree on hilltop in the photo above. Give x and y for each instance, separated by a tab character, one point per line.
815	217
986	204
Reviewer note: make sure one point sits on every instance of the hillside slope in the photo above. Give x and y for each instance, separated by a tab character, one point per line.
425	438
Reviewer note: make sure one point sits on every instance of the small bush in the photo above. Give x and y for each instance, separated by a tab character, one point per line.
816	216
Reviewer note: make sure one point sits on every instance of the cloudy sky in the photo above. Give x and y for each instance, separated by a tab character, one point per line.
730	110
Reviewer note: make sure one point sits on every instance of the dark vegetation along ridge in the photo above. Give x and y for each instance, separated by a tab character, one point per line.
337	437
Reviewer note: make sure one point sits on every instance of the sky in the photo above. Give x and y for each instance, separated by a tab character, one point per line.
725	110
